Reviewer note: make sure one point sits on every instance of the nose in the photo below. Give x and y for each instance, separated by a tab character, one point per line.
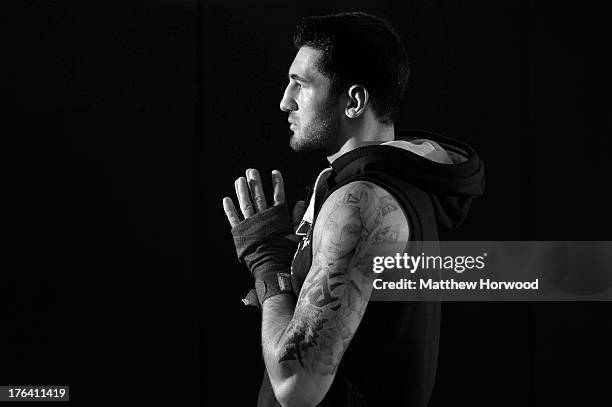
287	104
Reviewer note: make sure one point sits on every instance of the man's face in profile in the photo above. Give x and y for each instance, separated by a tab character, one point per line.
313	111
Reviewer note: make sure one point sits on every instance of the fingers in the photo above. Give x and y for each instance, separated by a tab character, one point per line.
256	189
298	213
230	212
251	197
278	187
244	197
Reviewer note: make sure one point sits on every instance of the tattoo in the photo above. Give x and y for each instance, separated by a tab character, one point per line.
356	221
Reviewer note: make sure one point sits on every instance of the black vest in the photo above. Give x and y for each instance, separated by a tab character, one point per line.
392	359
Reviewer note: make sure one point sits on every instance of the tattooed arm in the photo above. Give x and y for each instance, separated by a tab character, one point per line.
304	342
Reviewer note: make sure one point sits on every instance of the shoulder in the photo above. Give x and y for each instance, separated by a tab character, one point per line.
371	202
363	219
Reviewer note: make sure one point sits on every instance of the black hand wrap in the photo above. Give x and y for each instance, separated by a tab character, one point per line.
261	244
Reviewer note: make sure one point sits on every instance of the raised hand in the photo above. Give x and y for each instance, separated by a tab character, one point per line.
251	198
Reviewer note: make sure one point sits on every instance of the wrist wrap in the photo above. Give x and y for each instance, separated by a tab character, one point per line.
262	246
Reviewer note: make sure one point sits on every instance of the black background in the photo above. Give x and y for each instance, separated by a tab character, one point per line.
129	120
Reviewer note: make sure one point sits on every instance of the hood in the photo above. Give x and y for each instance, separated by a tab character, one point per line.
448	169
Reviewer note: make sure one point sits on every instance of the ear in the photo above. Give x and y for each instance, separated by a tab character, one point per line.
358	97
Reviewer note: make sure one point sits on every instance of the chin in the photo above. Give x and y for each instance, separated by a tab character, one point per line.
298	144
312	139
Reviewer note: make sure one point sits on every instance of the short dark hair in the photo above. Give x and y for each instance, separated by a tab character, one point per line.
348	39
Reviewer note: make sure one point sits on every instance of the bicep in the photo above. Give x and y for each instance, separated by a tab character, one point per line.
357	222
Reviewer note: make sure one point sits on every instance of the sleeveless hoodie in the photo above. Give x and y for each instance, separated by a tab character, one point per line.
392	358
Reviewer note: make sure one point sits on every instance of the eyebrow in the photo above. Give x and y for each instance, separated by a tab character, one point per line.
297	77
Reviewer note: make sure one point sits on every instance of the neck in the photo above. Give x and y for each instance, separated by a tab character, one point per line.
369	133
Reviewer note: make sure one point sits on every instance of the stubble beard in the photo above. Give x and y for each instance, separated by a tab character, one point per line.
320	133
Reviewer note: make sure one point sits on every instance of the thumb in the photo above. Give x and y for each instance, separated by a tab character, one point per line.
298	213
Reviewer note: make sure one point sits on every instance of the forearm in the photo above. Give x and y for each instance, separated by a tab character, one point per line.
290	381
276	315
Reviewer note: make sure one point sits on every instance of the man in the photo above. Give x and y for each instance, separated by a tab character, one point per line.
381	196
